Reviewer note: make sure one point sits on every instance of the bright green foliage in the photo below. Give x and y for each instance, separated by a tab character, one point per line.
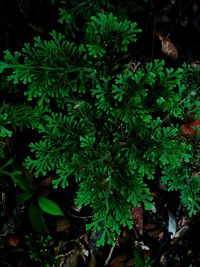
187	178
103	124
49	206
100	45
16	117
74	11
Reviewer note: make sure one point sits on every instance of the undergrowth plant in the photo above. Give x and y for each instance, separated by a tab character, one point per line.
105	120
37	204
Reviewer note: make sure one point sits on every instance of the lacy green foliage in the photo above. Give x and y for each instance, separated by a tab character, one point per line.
16	117
99	45
72	12
104	123
48	66
187	178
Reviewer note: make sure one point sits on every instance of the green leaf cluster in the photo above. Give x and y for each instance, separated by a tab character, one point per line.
37	204
103	124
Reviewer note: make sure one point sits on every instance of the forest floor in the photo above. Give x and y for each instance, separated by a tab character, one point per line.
166	235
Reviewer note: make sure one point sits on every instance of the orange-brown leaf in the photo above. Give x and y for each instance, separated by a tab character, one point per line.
13	240
119	261
168	48
137	213
62	225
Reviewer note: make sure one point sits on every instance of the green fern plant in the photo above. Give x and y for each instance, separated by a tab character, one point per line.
106	125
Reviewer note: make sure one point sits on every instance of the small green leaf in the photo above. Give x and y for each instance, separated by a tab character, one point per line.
23	196
25	184
36	218
49	206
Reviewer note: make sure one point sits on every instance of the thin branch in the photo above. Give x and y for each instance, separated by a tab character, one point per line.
110	255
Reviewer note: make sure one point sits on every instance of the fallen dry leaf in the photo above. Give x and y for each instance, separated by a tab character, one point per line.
13	240
119	261
181	231
62	225
76	208
137	213
46	182
154	231
71	260
92	262
167	47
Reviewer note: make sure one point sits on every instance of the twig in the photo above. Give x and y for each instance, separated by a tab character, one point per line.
79	217
110	255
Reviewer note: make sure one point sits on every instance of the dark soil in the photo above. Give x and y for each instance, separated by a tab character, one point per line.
20	21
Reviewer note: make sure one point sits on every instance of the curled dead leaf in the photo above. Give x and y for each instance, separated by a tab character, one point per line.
76	208
168	48
181	231
62	225
13	240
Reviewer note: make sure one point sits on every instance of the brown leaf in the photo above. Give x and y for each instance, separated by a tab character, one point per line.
92	262
46	182
72	260
181	231
119	261
137	213
62	225
156	233
13	240
167	47
76	208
